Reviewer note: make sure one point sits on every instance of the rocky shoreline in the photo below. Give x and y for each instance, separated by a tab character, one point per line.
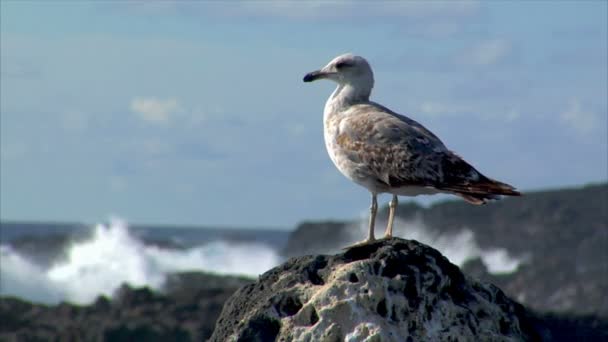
186	310
190	304
563	286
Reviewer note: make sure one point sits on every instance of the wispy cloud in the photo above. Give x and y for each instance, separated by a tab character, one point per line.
486	53
155	110
583	121
296	9
467	57
420	19
354	8
435	109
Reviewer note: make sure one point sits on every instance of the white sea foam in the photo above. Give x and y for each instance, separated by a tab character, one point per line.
21	278
112	256
458	247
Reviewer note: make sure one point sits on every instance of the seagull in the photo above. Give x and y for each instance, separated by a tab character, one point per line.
386	152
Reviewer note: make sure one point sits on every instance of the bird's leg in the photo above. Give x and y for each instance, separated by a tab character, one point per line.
391	216
372	218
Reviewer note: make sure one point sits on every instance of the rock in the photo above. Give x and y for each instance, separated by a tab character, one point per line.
561	234
188	307
567	328
391	290
305	239
185	311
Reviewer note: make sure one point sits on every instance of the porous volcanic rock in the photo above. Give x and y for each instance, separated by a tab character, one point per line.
390	290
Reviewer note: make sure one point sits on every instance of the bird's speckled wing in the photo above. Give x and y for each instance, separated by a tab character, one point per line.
398	151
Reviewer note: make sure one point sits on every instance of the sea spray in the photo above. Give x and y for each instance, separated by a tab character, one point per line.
20	277
459	247
112	255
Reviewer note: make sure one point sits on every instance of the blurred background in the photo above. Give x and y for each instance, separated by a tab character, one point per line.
144	138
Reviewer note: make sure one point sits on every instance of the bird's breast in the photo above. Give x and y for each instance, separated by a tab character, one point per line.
348	167
330	134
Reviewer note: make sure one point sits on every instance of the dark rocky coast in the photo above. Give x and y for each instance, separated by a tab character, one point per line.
391	289
185	311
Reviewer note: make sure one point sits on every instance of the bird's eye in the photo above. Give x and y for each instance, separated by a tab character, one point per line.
341	65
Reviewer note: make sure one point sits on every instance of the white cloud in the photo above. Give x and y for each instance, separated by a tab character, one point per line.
486	53
297	9
583	121
155	110
436	109
354	8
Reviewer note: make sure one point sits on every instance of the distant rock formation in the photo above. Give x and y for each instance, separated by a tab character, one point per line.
391	290
185	311
562	234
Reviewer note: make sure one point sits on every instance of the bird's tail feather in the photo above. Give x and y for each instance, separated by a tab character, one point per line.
483	191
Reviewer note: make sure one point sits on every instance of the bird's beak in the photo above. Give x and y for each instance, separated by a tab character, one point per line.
316	75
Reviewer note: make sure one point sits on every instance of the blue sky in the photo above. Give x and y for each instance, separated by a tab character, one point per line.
181	112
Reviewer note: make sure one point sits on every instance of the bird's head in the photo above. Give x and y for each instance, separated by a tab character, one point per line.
345	69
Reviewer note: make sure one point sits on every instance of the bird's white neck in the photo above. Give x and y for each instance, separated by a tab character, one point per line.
344	96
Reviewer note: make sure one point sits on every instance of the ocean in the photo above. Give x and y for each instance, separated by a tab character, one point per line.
51	262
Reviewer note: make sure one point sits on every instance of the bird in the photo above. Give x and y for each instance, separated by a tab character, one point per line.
386	152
